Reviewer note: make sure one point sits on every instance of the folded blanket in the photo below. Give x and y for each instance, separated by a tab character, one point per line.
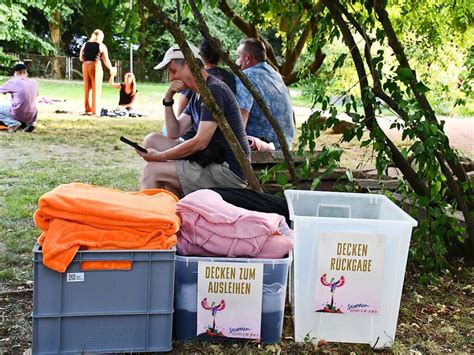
212	227
80	216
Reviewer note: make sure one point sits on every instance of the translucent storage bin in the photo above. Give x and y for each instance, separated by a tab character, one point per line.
322	215
104	310
275	274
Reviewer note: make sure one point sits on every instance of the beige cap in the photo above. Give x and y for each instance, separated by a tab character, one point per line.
175	53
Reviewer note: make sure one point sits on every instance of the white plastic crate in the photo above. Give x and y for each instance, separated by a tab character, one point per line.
316	214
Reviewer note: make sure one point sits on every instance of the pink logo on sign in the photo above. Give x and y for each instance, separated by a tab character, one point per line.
214	308
333	285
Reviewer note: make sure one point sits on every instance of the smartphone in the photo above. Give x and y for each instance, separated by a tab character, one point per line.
133	144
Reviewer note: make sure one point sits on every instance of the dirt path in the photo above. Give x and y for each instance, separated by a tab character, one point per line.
460	131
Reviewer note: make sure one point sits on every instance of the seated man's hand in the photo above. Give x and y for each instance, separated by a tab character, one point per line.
175	86
151	155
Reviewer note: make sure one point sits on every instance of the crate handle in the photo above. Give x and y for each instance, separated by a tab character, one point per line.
106	265
336	211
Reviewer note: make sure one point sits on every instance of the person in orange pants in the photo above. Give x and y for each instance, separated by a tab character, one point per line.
90	55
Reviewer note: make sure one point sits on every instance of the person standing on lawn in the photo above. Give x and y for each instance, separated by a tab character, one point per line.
90	55
22	112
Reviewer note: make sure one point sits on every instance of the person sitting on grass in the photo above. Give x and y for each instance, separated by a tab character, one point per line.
128	92
22	112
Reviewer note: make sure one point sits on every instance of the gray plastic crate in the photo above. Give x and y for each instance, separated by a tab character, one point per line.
104	310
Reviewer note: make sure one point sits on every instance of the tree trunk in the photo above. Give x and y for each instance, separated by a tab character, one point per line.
225	57
206	94
143	39
55	29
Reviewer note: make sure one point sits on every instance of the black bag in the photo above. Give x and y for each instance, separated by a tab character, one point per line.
214	153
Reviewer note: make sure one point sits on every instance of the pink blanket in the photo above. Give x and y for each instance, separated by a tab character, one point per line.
212	227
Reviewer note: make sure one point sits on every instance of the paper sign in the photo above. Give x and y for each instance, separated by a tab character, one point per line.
229	300
349	273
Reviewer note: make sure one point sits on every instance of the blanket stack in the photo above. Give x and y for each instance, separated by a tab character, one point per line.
212	227
80	216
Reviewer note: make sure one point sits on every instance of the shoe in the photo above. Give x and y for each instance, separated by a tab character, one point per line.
104	112
29	128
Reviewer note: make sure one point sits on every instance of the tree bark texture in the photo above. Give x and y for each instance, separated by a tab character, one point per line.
55	30
206	94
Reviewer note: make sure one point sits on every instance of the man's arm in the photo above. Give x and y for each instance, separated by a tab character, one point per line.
181	104
175	127
199	142
6	88
244	100
245	116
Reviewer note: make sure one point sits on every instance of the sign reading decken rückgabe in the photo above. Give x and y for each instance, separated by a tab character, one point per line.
229	299
349	273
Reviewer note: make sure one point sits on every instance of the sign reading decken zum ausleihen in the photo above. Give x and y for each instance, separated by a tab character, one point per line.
229	299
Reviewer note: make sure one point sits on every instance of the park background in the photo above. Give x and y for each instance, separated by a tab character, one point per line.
437	307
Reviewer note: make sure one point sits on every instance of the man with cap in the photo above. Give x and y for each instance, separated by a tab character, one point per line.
178	166
22	112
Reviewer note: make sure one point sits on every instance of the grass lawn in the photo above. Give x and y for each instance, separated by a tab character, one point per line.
67	147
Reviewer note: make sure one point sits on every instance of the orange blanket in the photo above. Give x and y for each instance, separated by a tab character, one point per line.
80	216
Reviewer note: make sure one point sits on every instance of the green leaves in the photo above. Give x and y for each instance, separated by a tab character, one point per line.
405	74
421	88
339	61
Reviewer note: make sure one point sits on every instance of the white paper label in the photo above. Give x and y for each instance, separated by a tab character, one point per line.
75	277
349	274
229	299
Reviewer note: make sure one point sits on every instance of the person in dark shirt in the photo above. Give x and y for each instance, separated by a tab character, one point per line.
169	160
211	59
128	91
90	55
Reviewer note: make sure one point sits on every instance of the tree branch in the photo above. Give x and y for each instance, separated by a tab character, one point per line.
312	68
206	94
250	31
372	124
216	44
397	48
291	56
